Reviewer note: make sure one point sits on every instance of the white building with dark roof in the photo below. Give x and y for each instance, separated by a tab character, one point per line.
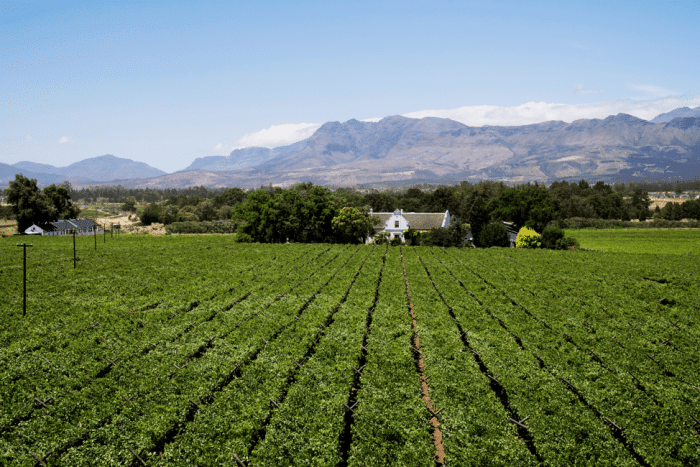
397	222
64	227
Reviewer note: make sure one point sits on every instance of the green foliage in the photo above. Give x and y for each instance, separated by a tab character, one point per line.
437	237
129	205
32	206
494	234
528	238
206	212
218	342
353	225
412	237
243	238
186	216
396	241
650	242
151	213
530	206
214	227
230	197
382	238
478	219
551	238
169	214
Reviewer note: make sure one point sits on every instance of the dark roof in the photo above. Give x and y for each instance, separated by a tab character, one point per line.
383	217
424	220
70	224
416	220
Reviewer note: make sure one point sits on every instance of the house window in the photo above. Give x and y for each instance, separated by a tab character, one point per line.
396	224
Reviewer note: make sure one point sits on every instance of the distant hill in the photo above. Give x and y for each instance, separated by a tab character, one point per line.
681	112
8	172
96	169
243	158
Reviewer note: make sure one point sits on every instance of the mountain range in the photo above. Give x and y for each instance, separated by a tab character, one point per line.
401	150
94	170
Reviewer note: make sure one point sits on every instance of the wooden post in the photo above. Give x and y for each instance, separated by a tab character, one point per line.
94	231
24	302
75	260
104	233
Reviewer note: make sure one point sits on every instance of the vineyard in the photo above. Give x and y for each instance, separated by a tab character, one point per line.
194	350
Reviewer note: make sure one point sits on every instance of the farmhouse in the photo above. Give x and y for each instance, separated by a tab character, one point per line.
64	227
398	221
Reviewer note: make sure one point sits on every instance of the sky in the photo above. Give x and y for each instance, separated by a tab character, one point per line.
165	82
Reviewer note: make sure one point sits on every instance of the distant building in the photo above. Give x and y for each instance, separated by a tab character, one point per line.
397	222
64	227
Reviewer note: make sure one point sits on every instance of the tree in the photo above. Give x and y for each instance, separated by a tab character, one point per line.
530	206
59	197
230	197
478	219
206	211
494	234
151	213
32	206
129	205
352	225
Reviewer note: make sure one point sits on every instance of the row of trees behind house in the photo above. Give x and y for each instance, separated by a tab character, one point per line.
311	213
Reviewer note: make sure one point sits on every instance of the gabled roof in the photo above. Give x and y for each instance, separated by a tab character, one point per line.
416	220
424	220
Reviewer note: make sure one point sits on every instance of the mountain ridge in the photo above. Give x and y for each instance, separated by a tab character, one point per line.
400	149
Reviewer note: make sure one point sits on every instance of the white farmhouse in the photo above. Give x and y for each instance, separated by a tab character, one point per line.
397	222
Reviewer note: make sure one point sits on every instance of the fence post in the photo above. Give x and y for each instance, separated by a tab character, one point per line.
75	261
24	302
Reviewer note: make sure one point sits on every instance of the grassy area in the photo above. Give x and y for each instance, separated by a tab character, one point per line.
652	241
92	213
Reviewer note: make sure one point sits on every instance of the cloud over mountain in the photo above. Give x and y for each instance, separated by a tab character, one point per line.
481	115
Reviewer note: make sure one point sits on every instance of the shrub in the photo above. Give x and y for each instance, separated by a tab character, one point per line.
550	237
568	243
151	214
528	238
494	234
412	237
185	216
381	238
170	214
243	238
396	241
437	237
215	227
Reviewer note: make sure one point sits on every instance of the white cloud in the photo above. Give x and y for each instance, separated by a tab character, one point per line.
537	112
480	115
63	140
276	135
581	90
652	91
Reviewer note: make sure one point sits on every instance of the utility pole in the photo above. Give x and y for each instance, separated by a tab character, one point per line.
24	303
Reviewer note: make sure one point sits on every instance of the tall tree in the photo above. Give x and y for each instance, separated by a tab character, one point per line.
32	206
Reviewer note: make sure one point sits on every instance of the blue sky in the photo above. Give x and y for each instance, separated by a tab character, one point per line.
165	82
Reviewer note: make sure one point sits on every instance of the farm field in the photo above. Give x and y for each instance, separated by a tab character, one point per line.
642	241
194	350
